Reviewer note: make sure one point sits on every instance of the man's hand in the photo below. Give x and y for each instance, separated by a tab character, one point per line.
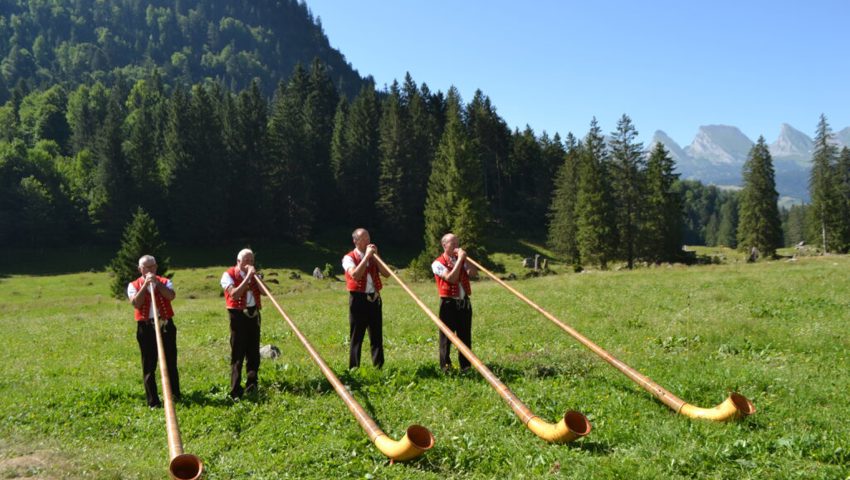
250	271
461	254
371	249
150	279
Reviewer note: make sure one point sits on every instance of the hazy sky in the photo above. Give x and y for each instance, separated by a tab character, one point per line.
672	65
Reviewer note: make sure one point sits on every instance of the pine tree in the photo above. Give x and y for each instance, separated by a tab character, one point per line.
358	169
141	237
727	230
795	225
842	179
455	201
562	210
110	200
627	170
422	145
142	148
823	224
391	204
492	138
594	212
289	185
319	108
661	229
759	223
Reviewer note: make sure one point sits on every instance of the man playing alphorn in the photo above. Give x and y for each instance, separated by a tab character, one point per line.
451	273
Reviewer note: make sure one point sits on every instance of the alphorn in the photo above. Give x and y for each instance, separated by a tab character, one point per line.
734	407
416	440
182	466
572	426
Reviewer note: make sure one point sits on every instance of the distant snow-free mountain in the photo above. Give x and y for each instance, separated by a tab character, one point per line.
718	152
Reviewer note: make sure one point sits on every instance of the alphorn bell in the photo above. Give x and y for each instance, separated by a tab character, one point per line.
416	440
572	426
182	466
734	407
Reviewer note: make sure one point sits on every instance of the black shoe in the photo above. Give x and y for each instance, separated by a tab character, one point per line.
155	406
251	390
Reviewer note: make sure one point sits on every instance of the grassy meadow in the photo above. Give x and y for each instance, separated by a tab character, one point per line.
73	405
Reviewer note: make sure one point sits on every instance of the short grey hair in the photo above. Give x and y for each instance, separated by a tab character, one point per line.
243	252
145	259
357	232
446	238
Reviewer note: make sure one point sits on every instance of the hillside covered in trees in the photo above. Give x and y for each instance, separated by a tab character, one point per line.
235	120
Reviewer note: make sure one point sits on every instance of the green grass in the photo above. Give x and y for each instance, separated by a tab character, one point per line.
73	404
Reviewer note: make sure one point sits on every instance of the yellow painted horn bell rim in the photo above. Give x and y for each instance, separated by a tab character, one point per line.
415	442
574	425
735	407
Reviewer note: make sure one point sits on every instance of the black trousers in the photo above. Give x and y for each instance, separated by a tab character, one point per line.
457	315
363	315
244	347
146	336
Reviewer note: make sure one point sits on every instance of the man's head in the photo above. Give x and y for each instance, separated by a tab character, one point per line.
244	258
449	243
147	264
361	239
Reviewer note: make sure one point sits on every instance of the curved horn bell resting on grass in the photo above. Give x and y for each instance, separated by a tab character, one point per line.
572	426
415	442
734	407
182	466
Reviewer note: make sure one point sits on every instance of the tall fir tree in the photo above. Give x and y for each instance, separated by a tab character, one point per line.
141	237
290	187
661	228
562	210
492	138
594	209
357	170
455	201
842	180
247	162
319	109
110	199
422	145
795	225
628	167
392	203
727	229
142	146
823	222
759	223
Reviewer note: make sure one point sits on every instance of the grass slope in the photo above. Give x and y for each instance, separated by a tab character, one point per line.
73	404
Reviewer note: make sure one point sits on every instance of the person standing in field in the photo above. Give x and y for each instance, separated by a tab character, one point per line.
242	299
138	291
451	272
363	280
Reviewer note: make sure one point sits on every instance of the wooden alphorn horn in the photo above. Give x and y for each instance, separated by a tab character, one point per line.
572	426
182	466
734	407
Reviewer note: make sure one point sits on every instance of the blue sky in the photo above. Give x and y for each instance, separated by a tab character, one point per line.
672	65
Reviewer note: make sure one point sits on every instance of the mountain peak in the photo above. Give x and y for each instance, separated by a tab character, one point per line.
792	143
720	144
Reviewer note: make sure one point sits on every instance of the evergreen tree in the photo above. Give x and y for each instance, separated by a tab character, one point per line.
422	144
594	212
455	201
759	225
141	237
727	230
290	187
142	147
661	229
319	109
357	170
843	193
824	206
109	200
248	161
392	202
562	211
492	138
795	225
627	170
